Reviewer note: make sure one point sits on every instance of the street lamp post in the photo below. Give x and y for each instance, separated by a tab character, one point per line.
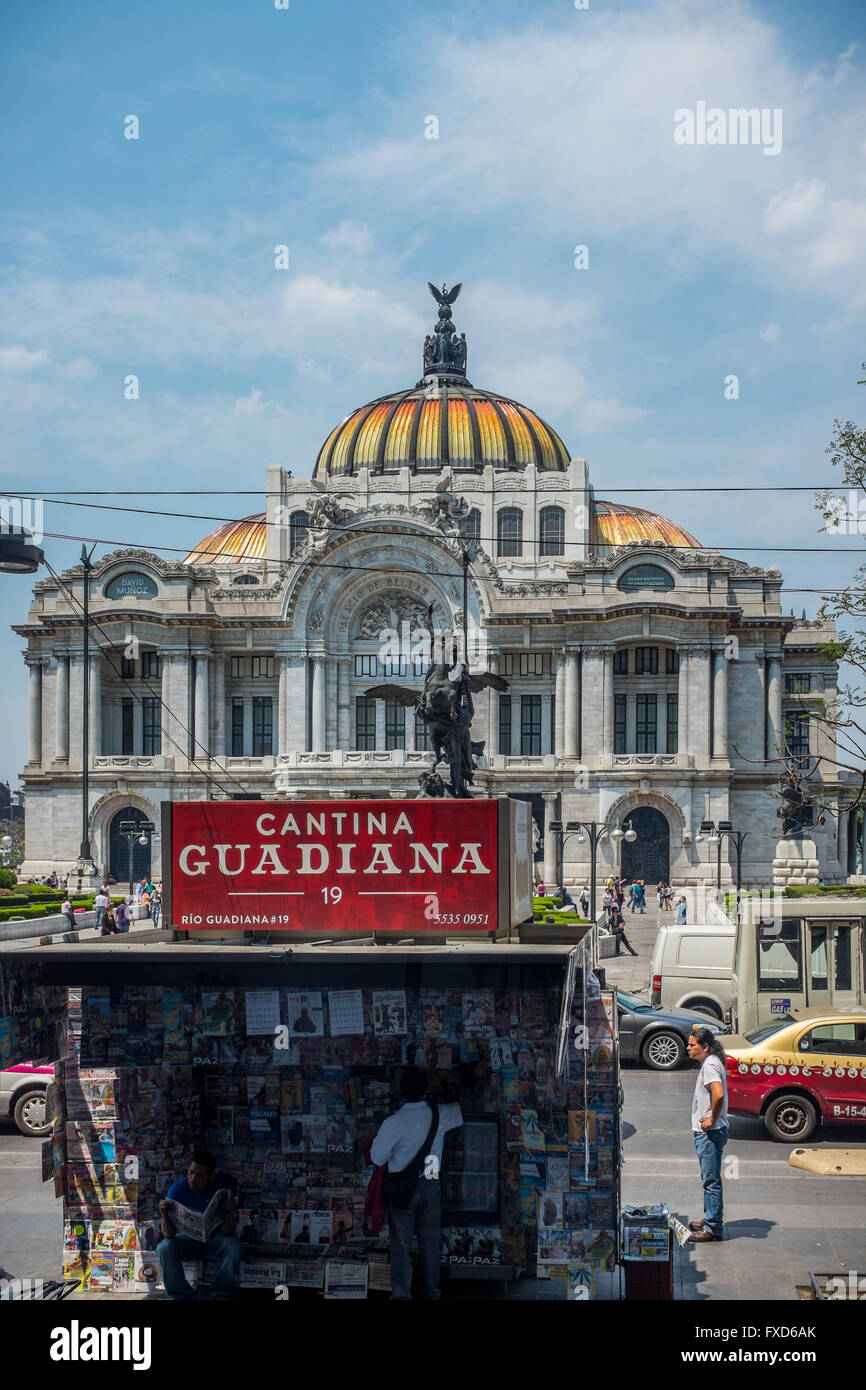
132	831
19	554
582	829
714	834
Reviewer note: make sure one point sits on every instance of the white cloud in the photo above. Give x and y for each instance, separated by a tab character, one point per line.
349	236
843	64
21	359
772	333
790	209
255	404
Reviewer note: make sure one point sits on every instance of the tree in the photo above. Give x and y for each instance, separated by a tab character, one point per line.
845	717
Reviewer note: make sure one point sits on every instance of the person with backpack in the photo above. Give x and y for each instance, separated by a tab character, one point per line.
410	1142
584	901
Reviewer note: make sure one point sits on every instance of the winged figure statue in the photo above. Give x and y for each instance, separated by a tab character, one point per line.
444	296
445	705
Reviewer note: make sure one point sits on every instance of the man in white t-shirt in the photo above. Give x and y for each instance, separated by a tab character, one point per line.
100	902
710	1129
399	1139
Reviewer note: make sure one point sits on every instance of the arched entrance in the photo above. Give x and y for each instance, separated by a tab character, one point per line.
118	848
649	856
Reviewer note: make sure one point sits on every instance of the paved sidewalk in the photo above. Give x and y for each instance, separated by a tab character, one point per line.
633	972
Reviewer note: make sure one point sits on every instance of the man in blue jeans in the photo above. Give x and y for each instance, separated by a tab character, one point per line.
710	1129
399	1139
195	1191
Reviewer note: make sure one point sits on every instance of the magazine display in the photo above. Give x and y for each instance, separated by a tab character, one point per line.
530	1181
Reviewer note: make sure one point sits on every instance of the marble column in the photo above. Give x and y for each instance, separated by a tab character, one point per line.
344	704
551	843
683	701
201	746
570	739
607	706
775	728
320	708
720	703
61	708
35	710
282	700
559	706
168	734
219	704
95	705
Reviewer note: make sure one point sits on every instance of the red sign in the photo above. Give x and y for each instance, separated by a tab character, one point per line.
330	866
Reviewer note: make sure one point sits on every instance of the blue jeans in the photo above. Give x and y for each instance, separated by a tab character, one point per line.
227	1249
100	918
709	1144
423	1217
154	913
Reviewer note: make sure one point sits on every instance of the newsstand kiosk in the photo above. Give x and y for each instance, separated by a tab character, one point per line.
281	1054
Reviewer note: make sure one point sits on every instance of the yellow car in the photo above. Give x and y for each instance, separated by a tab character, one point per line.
803	1068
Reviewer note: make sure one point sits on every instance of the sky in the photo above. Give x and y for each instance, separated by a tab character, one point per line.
309	127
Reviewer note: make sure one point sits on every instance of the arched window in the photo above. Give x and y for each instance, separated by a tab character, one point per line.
551	531
509	532
299	524
472	525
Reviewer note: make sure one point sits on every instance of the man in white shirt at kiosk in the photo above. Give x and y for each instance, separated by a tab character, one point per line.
398	1143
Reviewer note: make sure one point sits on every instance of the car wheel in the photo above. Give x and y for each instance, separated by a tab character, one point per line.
707	1009
663	1051
790	1119
30	1114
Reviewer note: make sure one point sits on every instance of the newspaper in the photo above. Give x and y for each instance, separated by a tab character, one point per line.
198	1225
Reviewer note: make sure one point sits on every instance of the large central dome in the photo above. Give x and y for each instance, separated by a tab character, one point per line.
442	422
453	425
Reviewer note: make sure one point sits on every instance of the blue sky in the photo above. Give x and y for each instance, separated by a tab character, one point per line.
306	127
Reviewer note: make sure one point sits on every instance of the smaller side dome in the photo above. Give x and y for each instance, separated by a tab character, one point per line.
615	524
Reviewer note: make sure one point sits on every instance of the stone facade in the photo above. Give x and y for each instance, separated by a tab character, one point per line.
670	698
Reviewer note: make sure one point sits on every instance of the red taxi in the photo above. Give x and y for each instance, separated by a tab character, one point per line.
806	1067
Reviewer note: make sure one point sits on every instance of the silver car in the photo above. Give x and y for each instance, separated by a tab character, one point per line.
22	1096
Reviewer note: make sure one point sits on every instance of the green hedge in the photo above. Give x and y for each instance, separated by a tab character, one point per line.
26	914
7	878
558	916
824	890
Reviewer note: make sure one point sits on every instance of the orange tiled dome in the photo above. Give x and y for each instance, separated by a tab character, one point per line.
458	426
614	524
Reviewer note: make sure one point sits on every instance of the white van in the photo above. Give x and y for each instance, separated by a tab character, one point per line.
692	968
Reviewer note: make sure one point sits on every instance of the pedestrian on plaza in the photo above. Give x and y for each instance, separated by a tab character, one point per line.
584	901
632	896
156	904
681	912
410	1142
145	901
710	1129
66	909
660	892
608	903
100	903
640	897
109	923
539	890
124	915
619	892
617	925
139	889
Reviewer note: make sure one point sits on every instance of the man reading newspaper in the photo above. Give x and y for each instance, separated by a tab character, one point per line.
198	1221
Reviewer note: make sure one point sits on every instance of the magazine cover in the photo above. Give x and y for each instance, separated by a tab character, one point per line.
306	1017
304	1274
478	1012
101	1273
218	1012
580	1283
311	1227
389	1011
345	1012
549	1211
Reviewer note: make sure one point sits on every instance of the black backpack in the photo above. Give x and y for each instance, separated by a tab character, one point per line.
400	1187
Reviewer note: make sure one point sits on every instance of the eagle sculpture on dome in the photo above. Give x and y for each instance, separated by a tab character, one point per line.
444	296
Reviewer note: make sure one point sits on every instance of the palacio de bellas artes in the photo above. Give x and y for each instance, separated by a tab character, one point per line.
650	678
